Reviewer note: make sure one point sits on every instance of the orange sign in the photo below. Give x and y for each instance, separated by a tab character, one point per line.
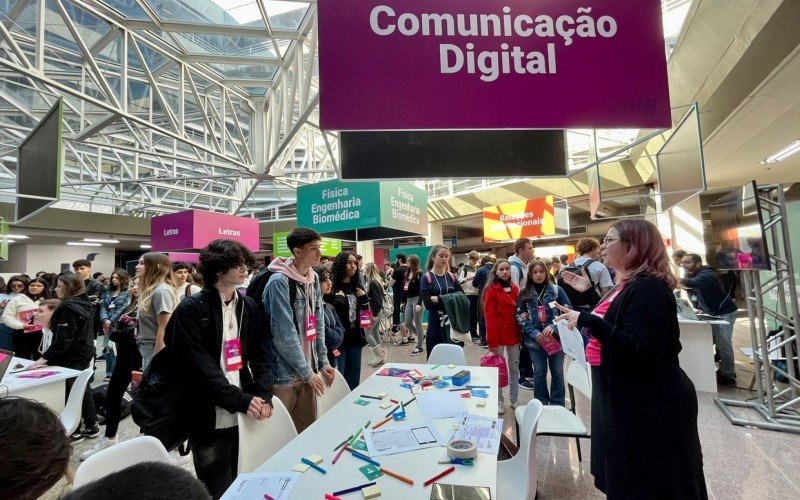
521	219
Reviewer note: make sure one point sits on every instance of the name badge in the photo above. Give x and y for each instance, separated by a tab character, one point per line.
336	353
542	314
365	317
233	355
311	328
112	305
405	285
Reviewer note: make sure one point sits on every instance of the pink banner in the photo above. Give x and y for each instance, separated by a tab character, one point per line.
488	64
194	229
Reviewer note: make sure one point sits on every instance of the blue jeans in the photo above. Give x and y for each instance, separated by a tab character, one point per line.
722	339
147	351
540	358
349	364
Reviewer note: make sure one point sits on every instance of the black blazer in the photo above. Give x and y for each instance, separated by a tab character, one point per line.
194	338
648	404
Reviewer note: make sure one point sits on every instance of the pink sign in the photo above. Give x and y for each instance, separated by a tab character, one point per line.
489	64
194	229
184	256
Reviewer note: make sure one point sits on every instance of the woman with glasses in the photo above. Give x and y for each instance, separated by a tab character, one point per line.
645	442
157	300
113	303
18	315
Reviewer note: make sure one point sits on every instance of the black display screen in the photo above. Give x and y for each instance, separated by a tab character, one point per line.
739	236
39	165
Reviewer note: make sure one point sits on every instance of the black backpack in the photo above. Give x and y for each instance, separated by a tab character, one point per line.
255	289
587	299
99	395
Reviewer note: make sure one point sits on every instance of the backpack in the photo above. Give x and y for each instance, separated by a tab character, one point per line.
99	395
587	299
521	270
255	289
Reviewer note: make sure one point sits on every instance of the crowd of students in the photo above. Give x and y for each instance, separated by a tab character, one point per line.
300	320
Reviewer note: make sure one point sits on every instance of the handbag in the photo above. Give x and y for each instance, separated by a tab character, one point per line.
158	407
494	360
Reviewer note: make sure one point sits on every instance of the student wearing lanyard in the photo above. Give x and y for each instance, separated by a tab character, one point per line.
645	442
219	342
293	303
436	282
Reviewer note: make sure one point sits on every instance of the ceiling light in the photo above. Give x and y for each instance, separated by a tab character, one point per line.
146	247
83	244
784	153
94	240
17	236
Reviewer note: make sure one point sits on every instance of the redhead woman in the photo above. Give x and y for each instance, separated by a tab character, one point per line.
645	442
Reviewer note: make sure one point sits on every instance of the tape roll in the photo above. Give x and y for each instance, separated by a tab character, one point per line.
462	449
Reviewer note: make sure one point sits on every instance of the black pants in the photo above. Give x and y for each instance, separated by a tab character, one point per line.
88	411
398	299
482	329
525	364
473	315
26	345
128	359
216	458
598	460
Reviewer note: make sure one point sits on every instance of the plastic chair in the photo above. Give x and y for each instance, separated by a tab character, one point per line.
120	456
447	354
71	414
559	421
332	394
516	477
260	439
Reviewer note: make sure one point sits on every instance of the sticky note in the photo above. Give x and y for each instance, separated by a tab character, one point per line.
361	402
479	393
359	445
370	472
371	492
315	458
442	384
385	405
383	394
301	467
451	366
480	403
466	394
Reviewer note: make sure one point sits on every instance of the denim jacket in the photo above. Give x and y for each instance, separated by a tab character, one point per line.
120	305
287	363
531	326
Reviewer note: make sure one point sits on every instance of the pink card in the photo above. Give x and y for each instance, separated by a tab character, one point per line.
37	374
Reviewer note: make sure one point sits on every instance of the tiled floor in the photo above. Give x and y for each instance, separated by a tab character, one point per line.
739	462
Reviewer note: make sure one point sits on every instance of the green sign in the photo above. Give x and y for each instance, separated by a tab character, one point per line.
329	246
421	252
360	211
3	240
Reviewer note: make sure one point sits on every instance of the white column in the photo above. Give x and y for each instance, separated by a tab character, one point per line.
687	227
434	236
366	249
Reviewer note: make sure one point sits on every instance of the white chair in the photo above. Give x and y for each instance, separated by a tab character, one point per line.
120	456
71	414
447	354
516	477
332	394
559	421
260	439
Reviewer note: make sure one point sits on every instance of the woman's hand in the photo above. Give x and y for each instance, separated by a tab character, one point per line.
360	292
340	293
569	315
418	308
580	282
328	373
255	407
37	364
106	325
547	333
435	299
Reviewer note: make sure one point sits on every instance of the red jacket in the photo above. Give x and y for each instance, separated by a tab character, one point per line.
499	310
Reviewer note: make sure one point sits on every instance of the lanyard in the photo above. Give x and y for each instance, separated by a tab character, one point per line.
439	286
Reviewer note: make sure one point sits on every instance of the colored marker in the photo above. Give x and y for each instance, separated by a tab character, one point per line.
390	413
383	421
367	424
343	442
370	397
410	401
459	389
354	488
328	496
395	401
267	497
397	476
363	457
435	367
479	387
439	475
312	465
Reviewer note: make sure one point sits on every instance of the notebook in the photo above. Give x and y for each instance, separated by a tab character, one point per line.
458	492
5	361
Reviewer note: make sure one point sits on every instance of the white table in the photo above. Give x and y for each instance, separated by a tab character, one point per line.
48	390
346	417
697	353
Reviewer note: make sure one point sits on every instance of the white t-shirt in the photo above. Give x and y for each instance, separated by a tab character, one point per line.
230	331
181	290
598	272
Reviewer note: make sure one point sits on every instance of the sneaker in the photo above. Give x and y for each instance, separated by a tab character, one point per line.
416	352
514	405
412	339
107	378
526	384
76	437
483	344
92	432
177	458
723	380
405	341
501	409
99	446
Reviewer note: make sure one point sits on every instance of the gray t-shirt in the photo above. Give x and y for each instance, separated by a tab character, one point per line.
598	272
163	301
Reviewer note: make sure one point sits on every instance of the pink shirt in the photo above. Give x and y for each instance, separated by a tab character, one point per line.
593	347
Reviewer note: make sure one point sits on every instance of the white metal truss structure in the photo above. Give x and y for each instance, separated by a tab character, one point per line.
169	104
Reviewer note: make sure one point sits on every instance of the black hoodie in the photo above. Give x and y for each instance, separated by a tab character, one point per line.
711	297
73	334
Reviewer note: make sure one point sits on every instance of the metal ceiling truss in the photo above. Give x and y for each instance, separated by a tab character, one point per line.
153	128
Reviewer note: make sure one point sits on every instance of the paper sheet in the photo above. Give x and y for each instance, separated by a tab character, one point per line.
395	440
571	342
248	486
483	431
440	404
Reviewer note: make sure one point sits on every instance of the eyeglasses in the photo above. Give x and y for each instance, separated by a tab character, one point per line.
242	267
607	241
17	285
